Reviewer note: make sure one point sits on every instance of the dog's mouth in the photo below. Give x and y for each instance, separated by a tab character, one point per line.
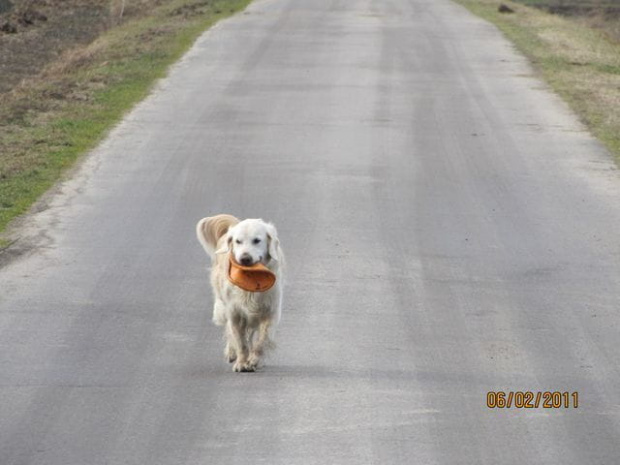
249	261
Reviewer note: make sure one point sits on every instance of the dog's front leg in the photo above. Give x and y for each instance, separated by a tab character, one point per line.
229	350
263	343
219	312
236	332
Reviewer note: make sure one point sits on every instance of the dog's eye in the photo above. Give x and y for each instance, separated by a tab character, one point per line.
238	241
256	241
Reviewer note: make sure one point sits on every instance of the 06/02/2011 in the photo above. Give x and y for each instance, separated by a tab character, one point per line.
529	399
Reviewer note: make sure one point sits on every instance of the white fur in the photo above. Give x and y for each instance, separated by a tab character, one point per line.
249	317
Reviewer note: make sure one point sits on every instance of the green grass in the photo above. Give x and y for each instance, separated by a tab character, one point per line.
581	63
53	119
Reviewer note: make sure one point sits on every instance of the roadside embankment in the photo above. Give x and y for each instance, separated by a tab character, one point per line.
70	73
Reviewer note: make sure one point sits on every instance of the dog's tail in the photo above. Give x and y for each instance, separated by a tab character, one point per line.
209	231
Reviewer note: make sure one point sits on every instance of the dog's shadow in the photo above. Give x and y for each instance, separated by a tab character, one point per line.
313	373
281	371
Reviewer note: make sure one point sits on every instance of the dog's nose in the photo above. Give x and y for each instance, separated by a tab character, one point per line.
246	260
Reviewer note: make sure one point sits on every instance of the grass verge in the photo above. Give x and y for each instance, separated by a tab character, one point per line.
51	119
581	63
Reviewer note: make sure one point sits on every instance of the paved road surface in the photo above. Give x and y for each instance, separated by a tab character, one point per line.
450	228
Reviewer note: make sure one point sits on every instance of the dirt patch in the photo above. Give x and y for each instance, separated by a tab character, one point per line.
38	32
599	14
610	8
583	9
191	9
5	6
34	33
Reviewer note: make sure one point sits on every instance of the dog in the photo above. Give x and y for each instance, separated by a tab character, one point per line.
249	318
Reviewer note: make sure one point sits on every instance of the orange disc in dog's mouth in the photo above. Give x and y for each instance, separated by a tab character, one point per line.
255	278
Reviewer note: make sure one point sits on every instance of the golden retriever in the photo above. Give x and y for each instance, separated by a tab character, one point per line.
249	317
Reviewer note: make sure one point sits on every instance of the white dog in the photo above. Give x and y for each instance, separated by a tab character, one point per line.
243	313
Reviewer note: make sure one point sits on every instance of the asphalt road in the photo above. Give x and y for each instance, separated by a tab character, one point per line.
450	229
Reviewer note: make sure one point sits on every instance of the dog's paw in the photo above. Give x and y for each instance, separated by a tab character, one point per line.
253	362
230	353
243	367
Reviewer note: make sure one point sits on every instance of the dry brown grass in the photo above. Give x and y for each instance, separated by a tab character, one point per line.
578	55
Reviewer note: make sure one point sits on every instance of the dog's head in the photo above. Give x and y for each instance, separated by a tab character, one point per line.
252	241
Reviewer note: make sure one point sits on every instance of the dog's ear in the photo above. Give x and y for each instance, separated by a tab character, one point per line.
226	246
273	242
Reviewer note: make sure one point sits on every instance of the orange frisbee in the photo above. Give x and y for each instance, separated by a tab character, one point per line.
255	278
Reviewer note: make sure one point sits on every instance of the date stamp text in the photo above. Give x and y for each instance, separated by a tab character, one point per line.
529	399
